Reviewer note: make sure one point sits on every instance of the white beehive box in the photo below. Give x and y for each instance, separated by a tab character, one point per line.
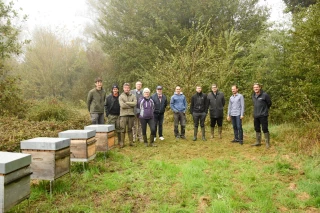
104	136
82	144
15	174
50	157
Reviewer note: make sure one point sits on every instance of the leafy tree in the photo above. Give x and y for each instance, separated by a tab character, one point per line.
9	46
294	6
134	31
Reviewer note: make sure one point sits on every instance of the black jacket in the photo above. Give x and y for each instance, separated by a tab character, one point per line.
159	108
110	103
199	103
216	104
261	104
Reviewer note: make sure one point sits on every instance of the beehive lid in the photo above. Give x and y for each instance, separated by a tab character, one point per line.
11	161
77	134
100	128
45	143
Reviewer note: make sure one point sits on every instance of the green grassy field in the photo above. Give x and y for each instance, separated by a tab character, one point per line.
186	176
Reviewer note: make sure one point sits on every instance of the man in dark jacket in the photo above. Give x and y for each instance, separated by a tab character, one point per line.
198	110
95	102
216	103
160	104
112	108
261	106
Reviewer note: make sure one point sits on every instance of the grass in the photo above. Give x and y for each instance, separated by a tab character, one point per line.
186	176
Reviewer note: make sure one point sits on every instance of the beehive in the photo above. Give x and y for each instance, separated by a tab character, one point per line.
15	174
82	144
50	157
104	136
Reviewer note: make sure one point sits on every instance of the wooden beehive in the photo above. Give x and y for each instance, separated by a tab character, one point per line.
15	174
50	157
82	144
104	136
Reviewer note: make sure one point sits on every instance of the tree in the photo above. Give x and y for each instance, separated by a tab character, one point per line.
295	6
9	46
134	31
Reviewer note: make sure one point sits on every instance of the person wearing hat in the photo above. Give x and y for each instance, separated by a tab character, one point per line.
160	104
95	102
112	109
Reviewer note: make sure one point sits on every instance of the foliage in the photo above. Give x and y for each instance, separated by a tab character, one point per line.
133	32
295	6
10	100
50	109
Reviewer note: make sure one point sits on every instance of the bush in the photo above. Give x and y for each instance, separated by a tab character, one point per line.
50	109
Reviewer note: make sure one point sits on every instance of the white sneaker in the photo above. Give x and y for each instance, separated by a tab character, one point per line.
161	138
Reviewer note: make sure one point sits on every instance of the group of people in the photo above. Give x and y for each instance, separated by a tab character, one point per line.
133	110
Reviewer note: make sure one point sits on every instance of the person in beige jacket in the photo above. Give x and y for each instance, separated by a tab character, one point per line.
127	103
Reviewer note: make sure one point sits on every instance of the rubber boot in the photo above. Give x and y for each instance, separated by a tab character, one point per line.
130	135
122	138
258	139
195	133
145	140
152	141
267	139
203	131
212	132
220	131
119	138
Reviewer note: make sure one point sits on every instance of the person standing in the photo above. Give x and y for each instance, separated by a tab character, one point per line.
216	103
261	106
95	102
160	104
112	109
236	113
127	103
146	107
137	131
198	110
178	104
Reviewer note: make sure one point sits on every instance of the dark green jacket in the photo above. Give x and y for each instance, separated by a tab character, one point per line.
95	100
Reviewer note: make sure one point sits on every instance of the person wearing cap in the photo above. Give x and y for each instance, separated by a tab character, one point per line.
146	107
261	105
127	103
137	131
216	103
236	113
95	102
178	104
160	104
198	110
112	109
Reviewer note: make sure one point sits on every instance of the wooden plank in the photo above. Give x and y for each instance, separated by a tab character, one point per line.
102	141
78	148
111	139
91	149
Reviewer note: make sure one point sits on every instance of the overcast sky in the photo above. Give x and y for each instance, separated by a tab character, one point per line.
69	17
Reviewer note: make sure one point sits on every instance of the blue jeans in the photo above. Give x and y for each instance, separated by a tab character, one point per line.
237	127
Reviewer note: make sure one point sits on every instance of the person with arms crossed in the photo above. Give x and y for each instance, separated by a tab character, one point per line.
127	103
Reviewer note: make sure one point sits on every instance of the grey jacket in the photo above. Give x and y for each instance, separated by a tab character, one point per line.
216	104
138	96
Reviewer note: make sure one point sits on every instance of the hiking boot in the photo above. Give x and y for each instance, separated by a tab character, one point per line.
258	139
